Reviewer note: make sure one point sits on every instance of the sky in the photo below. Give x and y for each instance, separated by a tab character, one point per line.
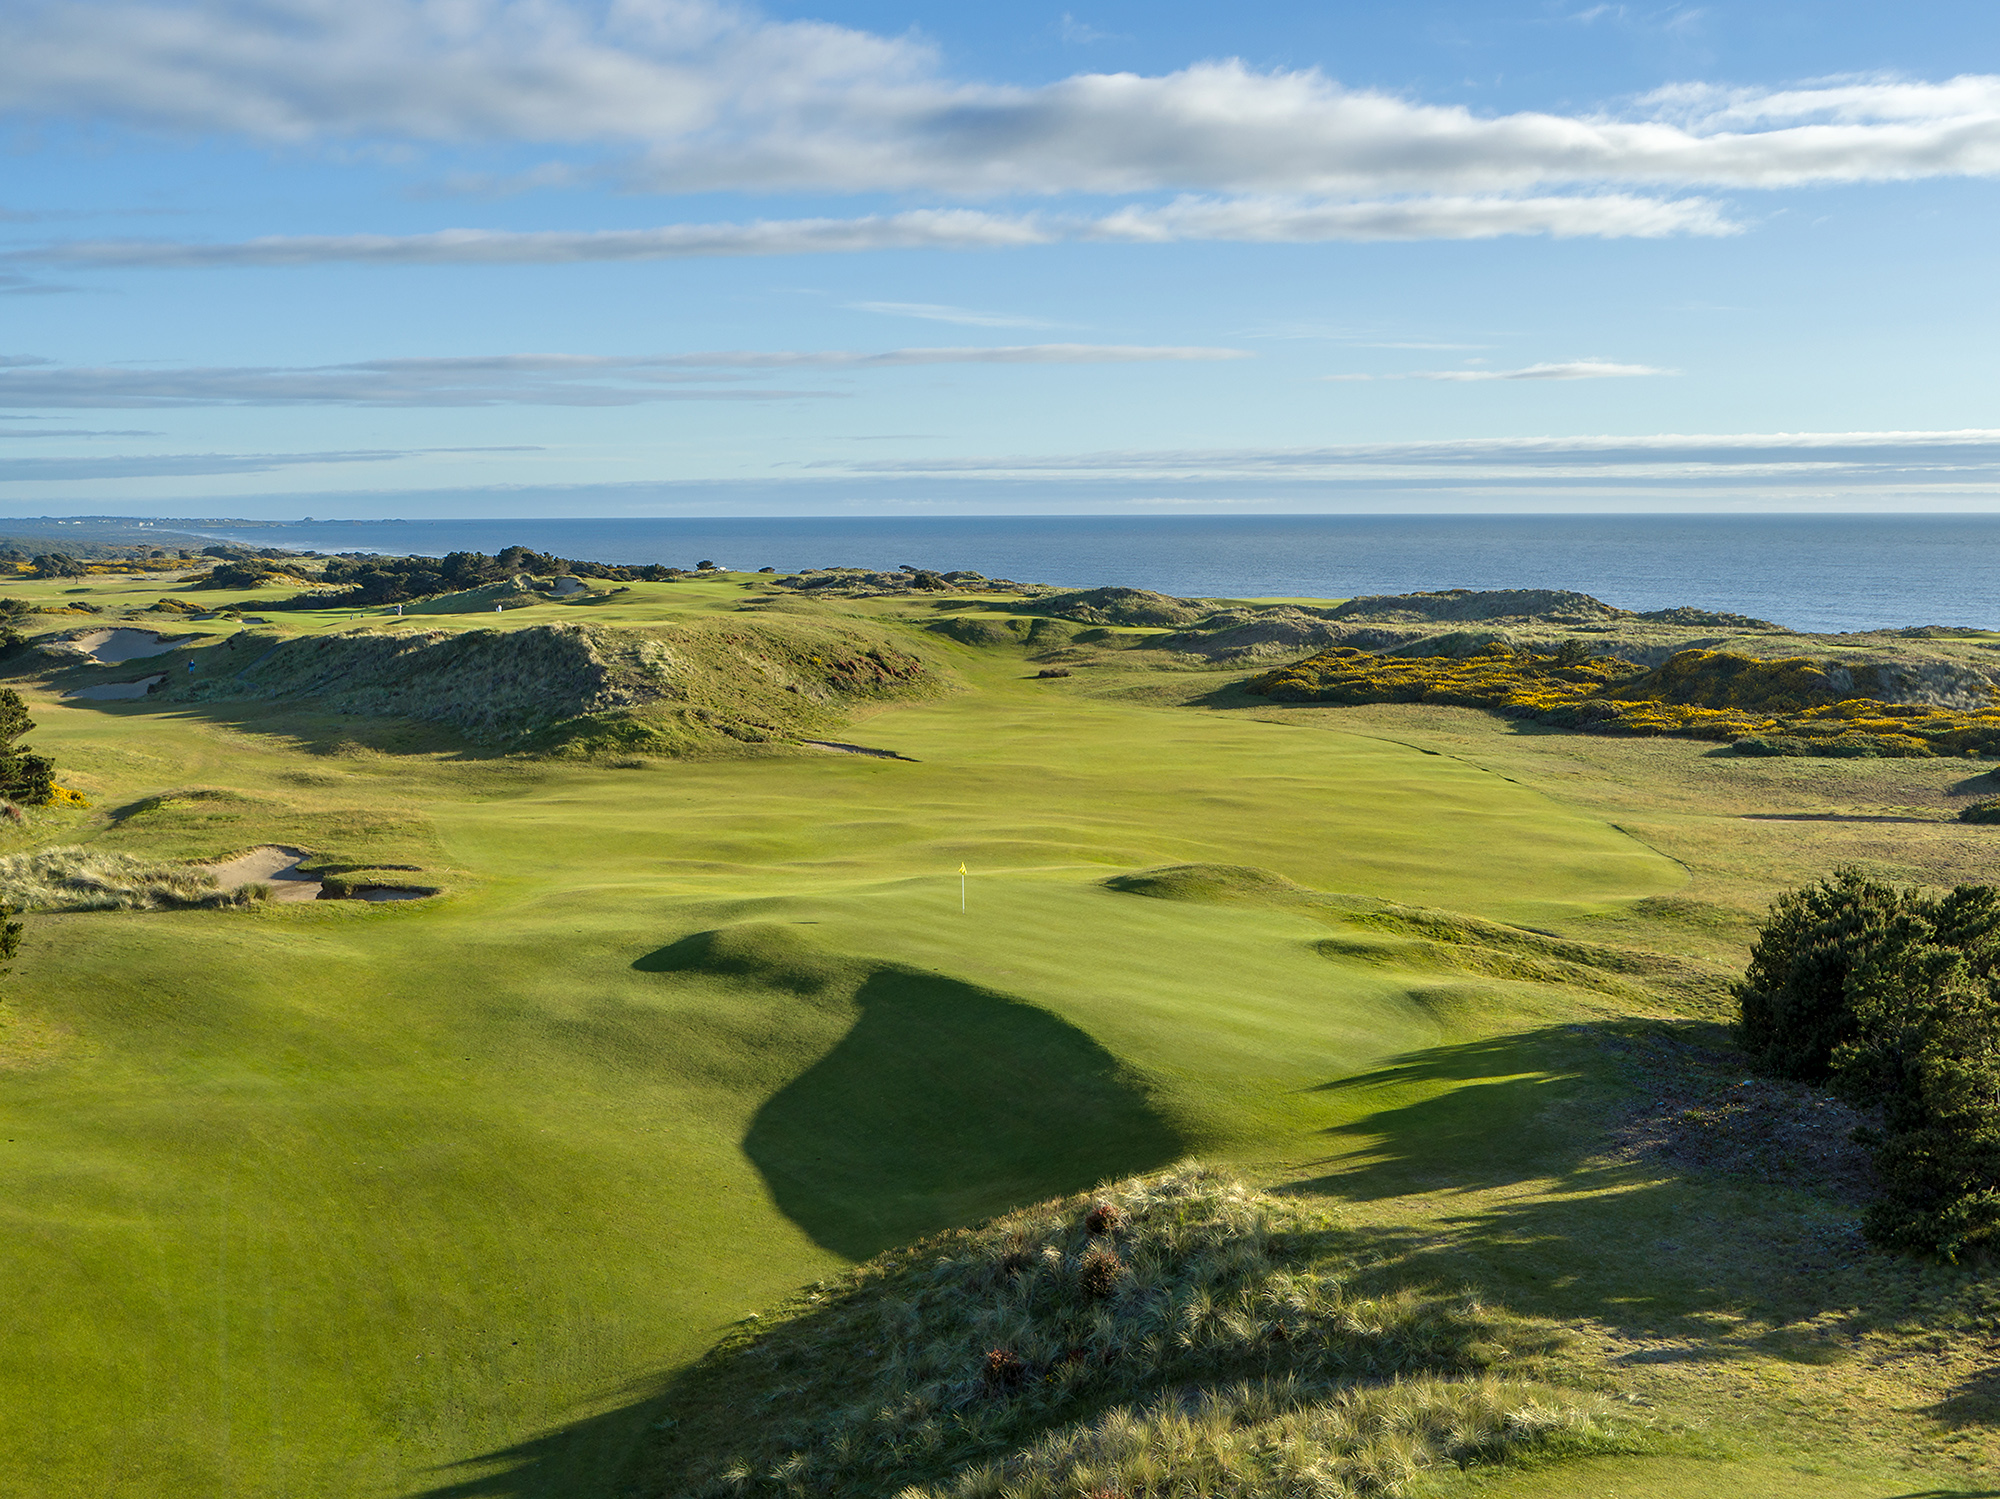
426	258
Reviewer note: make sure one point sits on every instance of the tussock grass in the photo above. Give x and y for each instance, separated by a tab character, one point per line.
1208	1339
83	879
1265	1438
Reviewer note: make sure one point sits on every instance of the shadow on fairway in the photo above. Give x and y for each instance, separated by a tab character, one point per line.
1558	1220
944	1104
941	1104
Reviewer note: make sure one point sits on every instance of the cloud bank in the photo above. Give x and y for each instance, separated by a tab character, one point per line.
701	96
1922	458
29	383
198	465
1262	220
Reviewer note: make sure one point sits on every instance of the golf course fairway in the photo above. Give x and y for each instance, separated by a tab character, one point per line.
338	1198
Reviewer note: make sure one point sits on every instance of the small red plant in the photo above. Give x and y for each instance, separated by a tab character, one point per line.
1103	1218
1004	1369
1100	1272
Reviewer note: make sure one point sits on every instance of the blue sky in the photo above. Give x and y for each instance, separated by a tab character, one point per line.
273	258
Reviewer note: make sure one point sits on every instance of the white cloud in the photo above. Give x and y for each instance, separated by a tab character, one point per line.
936	312
29	383
198	465
714	96
1264	220
1575	369
1784	457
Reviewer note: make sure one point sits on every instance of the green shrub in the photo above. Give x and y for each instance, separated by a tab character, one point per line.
1895	997
1986	811
1793	1004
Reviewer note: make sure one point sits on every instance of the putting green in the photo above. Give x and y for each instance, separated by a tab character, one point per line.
344	1199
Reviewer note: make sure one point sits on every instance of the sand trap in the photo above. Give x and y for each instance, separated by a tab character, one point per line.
105	692
274	865
837	748
109	647
565	586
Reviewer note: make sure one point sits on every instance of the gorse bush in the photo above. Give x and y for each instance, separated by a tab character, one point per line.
1893	996
1788	707
1110	1335
83	879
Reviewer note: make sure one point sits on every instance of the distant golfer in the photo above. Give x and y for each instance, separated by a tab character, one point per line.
190	668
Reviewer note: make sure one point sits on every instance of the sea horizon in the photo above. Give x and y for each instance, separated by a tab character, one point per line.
1808	572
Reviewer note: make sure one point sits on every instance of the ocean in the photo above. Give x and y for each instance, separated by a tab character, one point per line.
1821	573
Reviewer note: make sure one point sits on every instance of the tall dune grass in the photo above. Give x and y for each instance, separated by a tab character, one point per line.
84	879
1180	1333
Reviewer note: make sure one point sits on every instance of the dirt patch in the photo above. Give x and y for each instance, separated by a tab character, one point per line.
270	864
1705	1113
106	692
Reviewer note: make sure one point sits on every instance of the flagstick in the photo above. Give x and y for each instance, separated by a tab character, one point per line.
961	889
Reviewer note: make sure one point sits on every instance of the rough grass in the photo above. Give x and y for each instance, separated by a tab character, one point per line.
573	688
1180	1333
1283	1437
87	879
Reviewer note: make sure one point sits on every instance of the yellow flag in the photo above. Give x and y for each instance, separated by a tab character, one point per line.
961	869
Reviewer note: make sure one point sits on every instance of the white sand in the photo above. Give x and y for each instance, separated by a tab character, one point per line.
112	691
273	864
113	646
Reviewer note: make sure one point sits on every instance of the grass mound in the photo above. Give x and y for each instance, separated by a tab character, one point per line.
1267	1438
1794	706
584	689
1207	882
83	879
1159	1335
1124	606
1557	605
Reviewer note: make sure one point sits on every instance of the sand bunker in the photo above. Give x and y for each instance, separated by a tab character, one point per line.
105	692
835	747
109	647
277	865
274	865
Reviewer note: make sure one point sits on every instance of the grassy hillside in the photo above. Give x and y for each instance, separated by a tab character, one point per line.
444	1197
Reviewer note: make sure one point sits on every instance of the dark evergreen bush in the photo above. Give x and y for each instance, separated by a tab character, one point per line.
1895	997
1794	1006
24	777
1986	811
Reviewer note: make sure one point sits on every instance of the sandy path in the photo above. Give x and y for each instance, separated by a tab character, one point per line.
275	865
